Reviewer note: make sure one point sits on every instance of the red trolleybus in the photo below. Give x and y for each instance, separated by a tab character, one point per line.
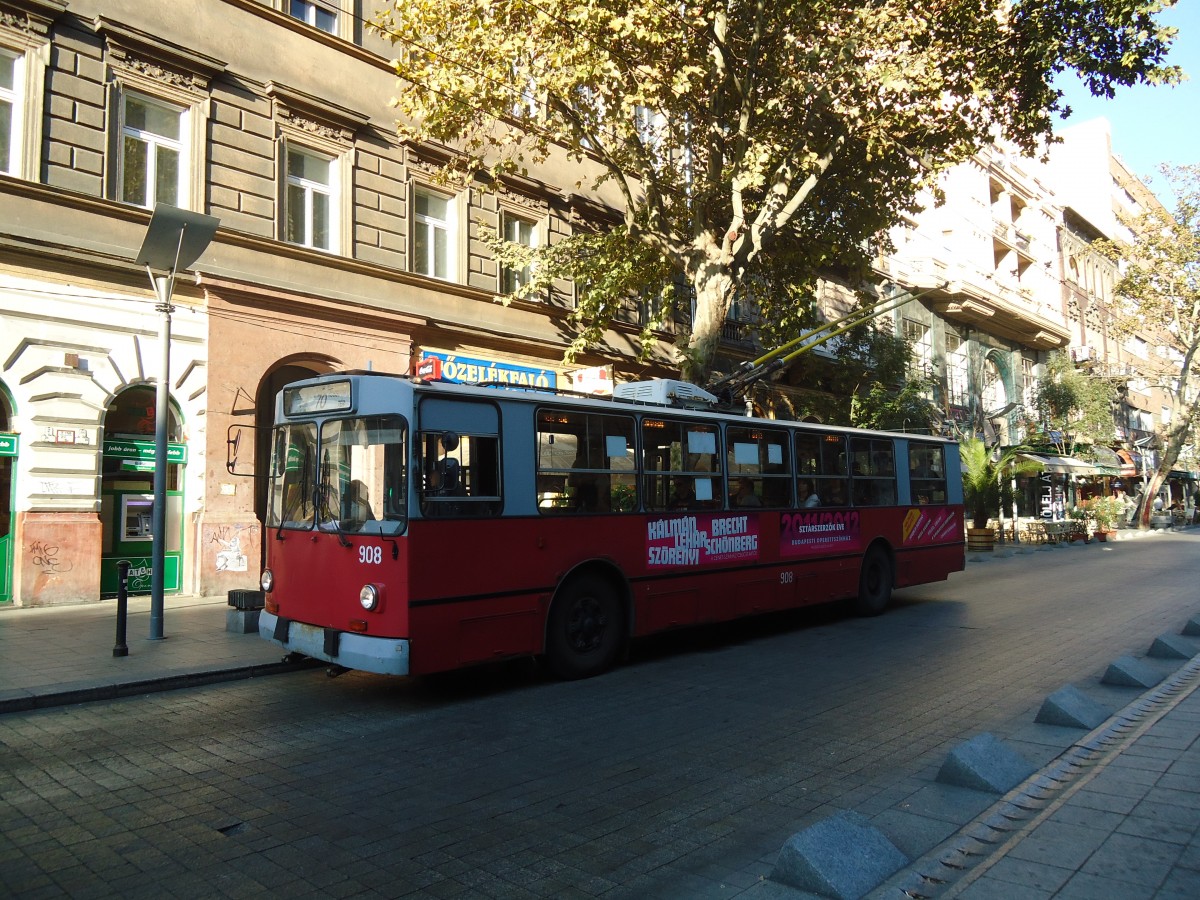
416	527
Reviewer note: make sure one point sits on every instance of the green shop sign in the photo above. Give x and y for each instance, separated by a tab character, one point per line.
143	451
8	444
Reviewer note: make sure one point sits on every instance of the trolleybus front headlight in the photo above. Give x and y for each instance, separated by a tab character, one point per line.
369	597
266	581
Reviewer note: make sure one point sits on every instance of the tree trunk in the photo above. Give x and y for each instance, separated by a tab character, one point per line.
1175	440
713	286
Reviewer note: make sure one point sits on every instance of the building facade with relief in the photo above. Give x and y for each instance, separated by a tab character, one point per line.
337	249
985	266
1100	195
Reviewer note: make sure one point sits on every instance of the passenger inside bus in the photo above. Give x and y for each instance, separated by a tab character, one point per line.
744	495
808	497
586	498
684	495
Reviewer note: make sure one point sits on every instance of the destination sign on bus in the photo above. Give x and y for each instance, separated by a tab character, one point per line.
329	397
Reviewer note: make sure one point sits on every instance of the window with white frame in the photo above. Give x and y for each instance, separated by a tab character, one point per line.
153	162
10	112
318	13
433	234
1028	382
517	231
310	199
919	335
957	370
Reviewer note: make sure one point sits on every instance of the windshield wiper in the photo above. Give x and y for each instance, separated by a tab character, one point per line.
321	502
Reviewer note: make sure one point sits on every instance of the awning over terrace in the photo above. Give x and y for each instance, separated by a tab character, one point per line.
1061	465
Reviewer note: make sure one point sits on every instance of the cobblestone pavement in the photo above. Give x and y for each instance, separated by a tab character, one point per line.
679	775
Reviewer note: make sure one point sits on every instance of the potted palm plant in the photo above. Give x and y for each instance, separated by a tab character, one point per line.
984	488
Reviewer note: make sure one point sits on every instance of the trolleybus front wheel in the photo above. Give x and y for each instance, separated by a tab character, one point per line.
585	629
874	583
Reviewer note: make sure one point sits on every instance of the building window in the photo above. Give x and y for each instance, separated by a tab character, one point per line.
1028	382
433	230
957	370
10	113
316	13
153	161
523	232
309	199
920	336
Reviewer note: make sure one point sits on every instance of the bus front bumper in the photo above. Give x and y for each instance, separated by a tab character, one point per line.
386	656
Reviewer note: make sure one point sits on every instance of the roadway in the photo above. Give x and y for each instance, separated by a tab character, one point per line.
680	774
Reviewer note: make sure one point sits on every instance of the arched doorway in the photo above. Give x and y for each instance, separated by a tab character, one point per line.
127	492
8	461
264	417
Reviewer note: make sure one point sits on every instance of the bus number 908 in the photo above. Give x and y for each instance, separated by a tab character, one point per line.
370	555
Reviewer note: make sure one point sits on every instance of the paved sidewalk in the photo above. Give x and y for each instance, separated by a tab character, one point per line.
50	656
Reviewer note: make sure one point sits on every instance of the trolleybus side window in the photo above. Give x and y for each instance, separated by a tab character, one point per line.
681	465
361	475
586	462
460	475
927	473
758	466
293	470
873	474
821	469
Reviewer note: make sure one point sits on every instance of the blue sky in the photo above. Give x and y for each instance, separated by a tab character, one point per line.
1153	125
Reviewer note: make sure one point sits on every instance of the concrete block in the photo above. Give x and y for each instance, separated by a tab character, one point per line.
843	857
1172	646
1130	672
1192	627
985	763
242	621
1071	708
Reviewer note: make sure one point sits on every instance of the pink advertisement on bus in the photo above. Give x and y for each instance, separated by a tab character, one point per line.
813	533
930	526
701	539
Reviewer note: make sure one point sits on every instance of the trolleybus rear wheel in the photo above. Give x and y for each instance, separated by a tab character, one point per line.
874	583
585	630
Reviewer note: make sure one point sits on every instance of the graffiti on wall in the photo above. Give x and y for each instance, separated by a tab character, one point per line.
231	557
45	557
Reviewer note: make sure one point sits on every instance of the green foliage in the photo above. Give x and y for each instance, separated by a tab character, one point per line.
1106	512
1158	297
748	142
868	384
982	467
1074	405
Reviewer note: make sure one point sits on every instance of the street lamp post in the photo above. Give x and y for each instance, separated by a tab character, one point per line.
175	239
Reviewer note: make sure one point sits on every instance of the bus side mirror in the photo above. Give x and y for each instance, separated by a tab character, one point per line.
240	438
450	441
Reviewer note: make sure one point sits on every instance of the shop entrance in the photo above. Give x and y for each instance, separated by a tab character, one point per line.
8	461
127	493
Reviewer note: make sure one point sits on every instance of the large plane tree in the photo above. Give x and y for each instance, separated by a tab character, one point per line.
1158	297
755	144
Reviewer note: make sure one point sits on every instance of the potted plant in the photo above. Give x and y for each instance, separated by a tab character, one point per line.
1107	512
1079	523
984	487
